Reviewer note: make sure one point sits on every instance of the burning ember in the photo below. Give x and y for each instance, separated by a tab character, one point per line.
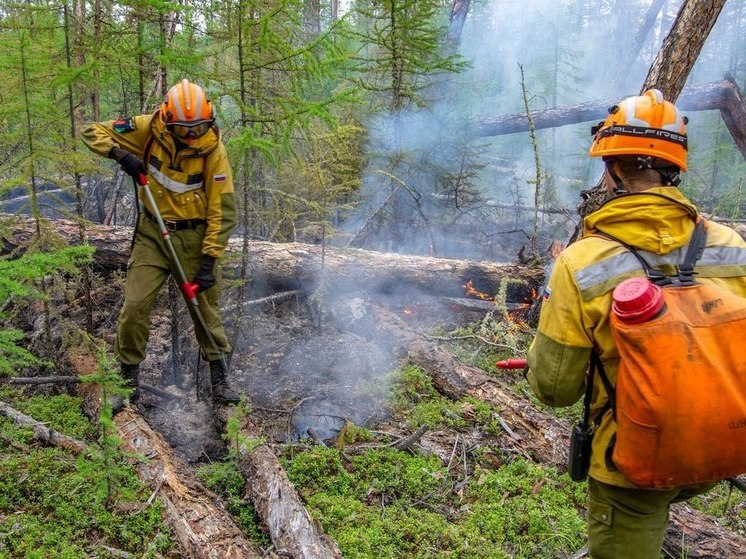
470	290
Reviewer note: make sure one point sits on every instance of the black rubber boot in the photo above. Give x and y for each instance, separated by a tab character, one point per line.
131	374
221	392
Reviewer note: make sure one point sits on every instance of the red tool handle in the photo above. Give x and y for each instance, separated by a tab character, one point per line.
512	363
142	179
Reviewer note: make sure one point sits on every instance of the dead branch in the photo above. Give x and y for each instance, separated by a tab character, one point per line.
291	528
406	443
39	380
294	533
41	431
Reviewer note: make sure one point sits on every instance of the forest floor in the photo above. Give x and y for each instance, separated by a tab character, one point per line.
332	404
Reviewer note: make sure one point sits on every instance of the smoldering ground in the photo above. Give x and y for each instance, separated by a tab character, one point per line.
305	365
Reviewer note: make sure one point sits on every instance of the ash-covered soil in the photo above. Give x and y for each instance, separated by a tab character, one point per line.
300	372
303	369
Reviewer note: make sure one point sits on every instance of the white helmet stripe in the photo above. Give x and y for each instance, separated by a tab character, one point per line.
177	103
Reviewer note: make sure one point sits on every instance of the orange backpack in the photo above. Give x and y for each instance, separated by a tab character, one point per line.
680	398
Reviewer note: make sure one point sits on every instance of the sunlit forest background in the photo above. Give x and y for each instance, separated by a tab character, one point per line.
352	122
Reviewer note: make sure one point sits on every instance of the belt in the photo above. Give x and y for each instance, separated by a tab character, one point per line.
174	224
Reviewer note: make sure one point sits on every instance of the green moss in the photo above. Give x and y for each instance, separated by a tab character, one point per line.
351	434
528	509
395	474
319	470
62	413
396	505
726	504
416	401
61	504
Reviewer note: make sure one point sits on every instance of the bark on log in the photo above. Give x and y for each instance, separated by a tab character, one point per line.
294	533
288	266
196	517
702	97
41	431
541	436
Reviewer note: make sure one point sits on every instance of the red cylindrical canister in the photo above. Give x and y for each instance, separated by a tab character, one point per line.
637	300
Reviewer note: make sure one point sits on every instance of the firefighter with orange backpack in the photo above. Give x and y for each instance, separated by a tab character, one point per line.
178	154
643	144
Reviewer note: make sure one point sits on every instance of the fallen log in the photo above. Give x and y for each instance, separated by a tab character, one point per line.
702	97
540	435
290	266
40	380
195	515
292	530
41	431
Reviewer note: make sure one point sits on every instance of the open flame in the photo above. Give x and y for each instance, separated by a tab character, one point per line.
470	290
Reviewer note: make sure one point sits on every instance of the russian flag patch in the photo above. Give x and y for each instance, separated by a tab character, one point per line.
218	178
547	294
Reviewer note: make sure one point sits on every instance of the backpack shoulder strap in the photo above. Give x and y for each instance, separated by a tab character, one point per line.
697	244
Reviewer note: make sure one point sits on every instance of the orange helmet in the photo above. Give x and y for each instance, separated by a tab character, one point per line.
186	110
643	125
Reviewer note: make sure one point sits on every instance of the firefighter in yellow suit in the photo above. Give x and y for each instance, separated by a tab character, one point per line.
643	144
180	150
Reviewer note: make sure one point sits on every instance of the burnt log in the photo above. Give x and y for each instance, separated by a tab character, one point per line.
292	530
529	431
290	266
195	515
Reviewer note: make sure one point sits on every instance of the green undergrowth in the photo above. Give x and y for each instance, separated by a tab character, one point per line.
386	503
380	502
725	502
54	504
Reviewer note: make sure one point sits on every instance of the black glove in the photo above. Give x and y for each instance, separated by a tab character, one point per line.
128	162
205	277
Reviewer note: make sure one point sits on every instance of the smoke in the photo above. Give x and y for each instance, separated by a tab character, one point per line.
432	187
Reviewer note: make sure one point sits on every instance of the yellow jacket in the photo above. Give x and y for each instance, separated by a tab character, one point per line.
577	302
193	183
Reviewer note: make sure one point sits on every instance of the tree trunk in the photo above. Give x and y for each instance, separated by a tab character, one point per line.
734	115
682	46
459	9
289	266
669	70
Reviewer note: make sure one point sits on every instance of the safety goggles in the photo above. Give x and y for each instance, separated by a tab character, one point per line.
184	130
